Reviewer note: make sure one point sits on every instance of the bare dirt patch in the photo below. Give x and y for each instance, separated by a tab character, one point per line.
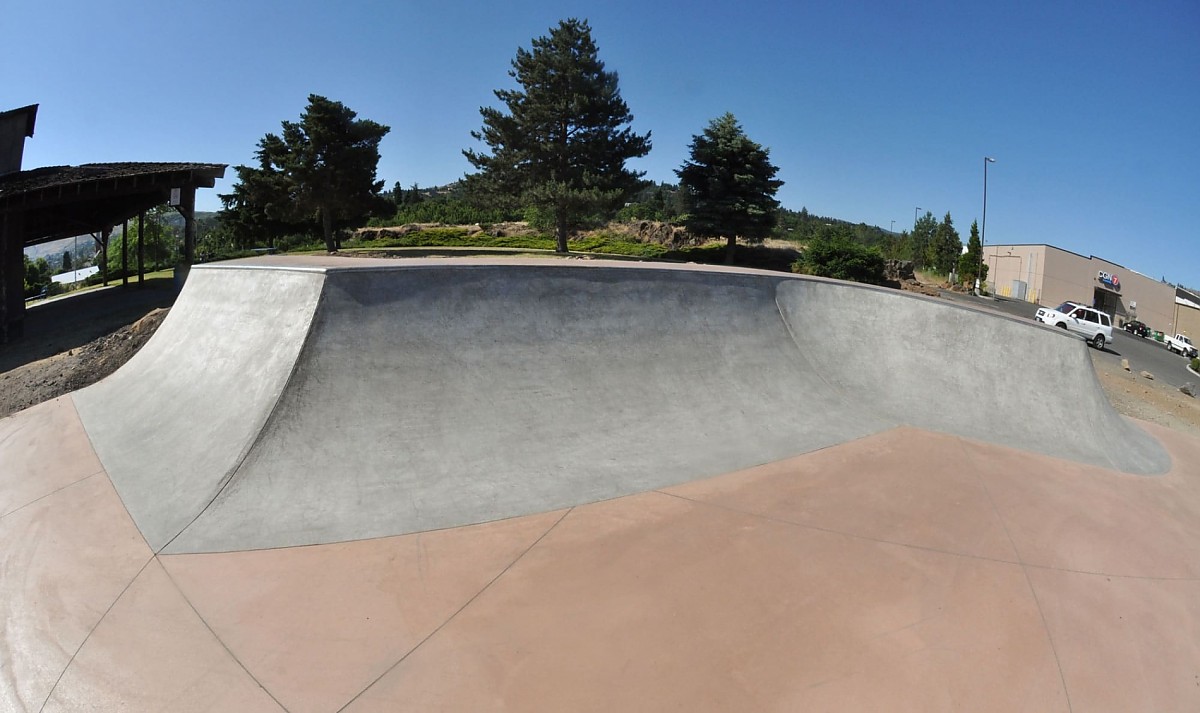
1146	399
62	373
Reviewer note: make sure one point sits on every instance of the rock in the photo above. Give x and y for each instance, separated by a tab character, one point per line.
1189	388
899	270
1148	375
1125	364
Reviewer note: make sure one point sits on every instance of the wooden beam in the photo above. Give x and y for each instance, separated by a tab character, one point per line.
125	253
104	254
12	278
141	251
187	208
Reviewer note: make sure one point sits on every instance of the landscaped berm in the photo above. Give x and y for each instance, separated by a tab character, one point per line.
451	485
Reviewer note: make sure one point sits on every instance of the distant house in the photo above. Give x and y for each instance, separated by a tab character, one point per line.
70	277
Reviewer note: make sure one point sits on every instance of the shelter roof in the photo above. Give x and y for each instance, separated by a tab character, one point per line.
30	113
61	201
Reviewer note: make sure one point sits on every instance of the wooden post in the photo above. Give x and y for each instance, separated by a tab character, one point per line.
104	253
141	256
125	253
189	224
12	276
187	208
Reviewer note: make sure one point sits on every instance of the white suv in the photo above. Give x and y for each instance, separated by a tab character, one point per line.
1094	325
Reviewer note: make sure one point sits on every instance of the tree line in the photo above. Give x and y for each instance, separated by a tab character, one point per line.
554	152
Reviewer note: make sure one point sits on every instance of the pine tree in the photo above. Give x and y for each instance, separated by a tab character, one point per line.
729	185
922	236
969	264
564	141
944	250
320	171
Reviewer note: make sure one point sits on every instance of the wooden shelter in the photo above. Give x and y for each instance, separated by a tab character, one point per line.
45	204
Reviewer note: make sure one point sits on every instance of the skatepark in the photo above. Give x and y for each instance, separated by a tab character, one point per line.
458	484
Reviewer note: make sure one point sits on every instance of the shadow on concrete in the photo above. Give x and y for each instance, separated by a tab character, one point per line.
73	320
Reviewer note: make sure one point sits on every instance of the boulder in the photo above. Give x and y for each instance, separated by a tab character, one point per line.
899	270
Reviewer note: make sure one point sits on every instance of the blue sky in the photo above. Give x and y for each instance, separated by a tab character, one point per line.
1092	110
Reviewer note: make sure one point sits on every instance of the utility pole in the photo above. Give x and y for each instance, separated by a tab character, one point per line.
983	228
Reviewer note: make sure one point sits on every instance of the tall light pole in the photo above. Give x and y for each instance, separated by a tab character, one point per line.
983	228
915	218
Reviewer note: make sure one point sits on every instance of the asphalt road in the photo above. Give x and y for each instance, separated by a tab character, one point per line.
1143	354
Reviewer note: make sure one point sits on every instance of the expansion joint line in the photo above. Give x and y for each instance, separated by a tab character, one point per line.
50	693
460	610
217	636
833	531
1028	582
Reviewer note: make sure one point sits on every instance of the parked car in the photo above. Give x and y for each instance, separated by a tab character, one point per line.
1092	324
1133	326
1180	344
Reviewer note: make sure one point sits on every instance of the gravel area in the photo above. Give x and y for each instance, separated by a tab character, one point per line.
1147	399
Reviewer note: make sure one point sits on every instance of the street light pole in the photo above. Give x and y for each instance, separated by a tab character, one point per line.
915	218
983	228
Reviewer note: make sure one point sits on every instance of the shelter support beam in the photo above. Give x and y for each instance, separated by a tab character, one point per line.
187	208
141	255
12	277
125	254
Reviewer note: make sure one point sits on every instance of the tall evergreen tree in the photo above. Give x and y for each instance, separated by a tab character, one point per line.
921	238
970	264
945	248
564	141
729	185
317	171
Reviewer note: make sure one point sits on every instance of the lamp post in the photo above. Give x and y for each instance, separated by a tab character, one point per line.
983	229
915	210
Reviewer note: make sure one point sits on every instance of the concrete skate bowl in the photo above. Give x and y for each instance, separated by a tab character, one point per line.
457	485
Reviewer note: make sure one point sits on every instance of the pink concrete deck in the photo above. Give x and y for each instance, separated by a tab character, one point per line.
905	571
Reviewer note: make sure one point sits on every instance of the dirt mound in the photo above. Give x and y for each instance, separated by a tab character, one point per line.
652	231
63	373
499	230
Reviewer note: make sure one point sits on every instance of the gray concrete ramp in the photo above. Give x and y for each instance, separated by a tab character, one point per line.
988	377
281	407
175	421
430	398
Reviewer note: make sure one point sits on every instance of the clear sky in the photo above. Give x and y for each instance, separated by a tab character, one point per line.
1091	109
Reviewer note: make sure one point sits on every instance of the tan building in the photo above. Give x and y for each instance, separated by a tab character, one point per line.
1046	275
1187	314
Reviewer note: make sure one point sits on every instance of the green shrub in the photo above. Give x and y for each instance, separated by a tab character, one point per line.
841	258
458	238
450	210
1196	364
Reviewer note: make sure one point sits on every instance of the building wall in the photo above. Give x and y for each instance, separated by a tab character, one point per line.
1055	275
1187	321
15	127
1009	263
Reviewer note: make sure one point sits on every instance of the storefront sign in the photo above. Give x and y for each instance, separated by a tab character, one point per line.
1109	279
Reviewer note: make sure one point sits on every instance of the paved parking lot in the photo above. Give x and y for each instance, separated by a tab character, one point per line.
1143	354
